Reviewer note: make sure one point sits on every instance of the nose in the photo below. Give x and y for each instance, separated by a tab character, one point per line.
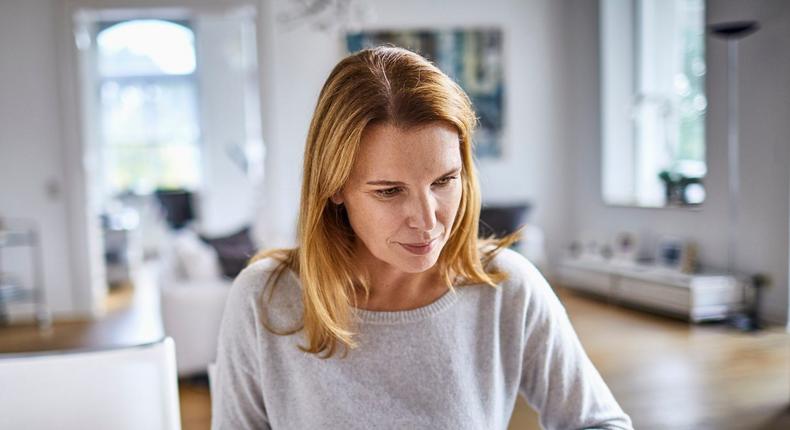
422	212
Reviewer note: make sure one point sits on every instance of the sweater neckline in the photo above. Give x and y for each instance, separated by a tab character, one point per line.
411	315
400	317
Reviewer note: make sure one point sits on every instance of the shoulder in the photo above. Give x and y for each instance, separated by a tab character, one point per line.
252	280
517	269
257	271
266	275
523	280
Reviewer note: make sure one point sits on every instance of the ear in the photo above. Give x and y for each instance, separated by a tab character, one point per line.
337	198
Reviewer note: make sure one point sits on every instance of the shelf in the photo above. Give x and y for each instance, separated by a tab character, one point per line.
13	290
696	297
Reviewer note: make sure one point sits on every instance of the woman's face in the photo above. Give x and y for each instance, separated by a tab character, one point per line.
403	194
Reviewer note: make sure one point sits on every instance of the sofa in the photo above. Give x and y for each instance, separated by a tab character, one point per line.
195	276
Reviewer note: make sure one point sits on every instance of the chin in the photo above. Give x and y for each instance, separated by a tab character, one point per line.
418	266
416	263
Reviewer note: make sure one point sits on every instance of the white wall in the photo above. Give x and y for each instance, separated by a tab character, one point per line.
765	130
534	165
32	172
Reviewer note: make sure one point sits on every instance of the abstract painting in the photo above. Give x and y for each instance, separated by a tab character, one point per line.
471	57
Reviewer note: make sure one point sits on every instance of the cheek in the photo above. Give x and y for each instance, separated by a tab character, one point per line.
373	220
448	206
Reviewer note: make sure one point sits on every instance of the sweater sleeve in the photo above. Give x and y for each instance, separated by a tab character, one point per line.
558	379
236	395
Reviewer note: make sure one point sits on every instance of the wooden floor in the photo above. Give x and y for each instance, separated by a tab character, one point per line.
668	374
665	373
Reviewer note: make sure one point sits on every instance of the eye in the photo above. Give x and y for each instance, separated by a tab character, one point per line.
388	192
445	181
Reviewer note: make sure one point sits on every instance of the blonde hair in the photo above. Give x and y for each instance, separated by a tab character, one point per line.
373	86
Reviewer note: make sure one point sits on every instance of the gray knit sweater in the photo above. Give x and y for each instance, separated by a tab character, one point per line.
457	363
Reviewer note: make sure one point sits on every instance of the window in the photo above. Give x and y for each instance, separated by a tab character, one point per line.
148	105
653	102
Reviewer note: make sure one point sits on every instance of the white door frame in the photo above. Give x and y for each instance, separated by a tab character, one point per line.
85	245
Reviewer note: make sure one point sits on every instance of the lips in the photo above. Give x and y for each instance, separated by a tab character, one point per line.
419	248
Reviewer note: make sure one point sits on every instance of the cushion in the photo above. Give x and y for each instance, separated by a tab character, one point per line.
234	250
194	260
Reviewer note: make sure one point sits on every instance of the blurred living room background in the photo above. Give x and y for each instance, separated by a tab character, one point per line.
149	147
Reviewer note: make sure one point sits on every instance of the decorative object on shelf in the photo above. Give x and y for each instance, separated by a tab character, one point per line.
623	247
472	57
588	248
677	254
575	249
592	249
626	247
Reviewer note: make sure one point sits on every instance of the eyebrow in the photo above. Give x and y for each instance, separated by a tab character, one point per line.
383	182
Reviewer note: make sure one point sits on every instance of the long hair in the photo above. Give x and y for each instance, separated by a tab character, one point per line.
373	86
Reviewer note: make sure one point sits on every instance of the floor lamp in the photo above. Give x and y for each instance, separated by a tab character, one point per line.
732	32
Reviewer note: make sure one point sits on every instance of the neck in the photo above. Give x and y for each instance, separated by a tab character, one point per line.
391	289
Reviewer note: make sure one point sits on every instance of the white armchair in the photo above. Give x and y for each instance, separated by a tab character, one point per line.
124	389
191	315
192	299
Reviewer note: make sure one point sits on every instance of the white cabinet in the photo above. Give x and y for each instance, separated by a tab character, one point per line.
696	297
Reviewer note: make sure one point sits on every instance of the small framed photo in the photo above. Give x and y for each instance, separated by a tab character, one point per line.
625	247
677	254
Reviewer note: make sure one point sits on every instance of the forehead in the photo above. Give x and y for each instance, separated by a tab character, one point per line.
386	150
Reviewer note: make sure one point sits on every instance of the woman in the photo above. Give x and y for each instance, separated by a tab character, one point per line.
391	313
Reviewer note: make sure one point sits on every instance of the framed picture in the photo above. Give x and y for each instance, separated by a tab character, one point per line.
471	57
677	254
